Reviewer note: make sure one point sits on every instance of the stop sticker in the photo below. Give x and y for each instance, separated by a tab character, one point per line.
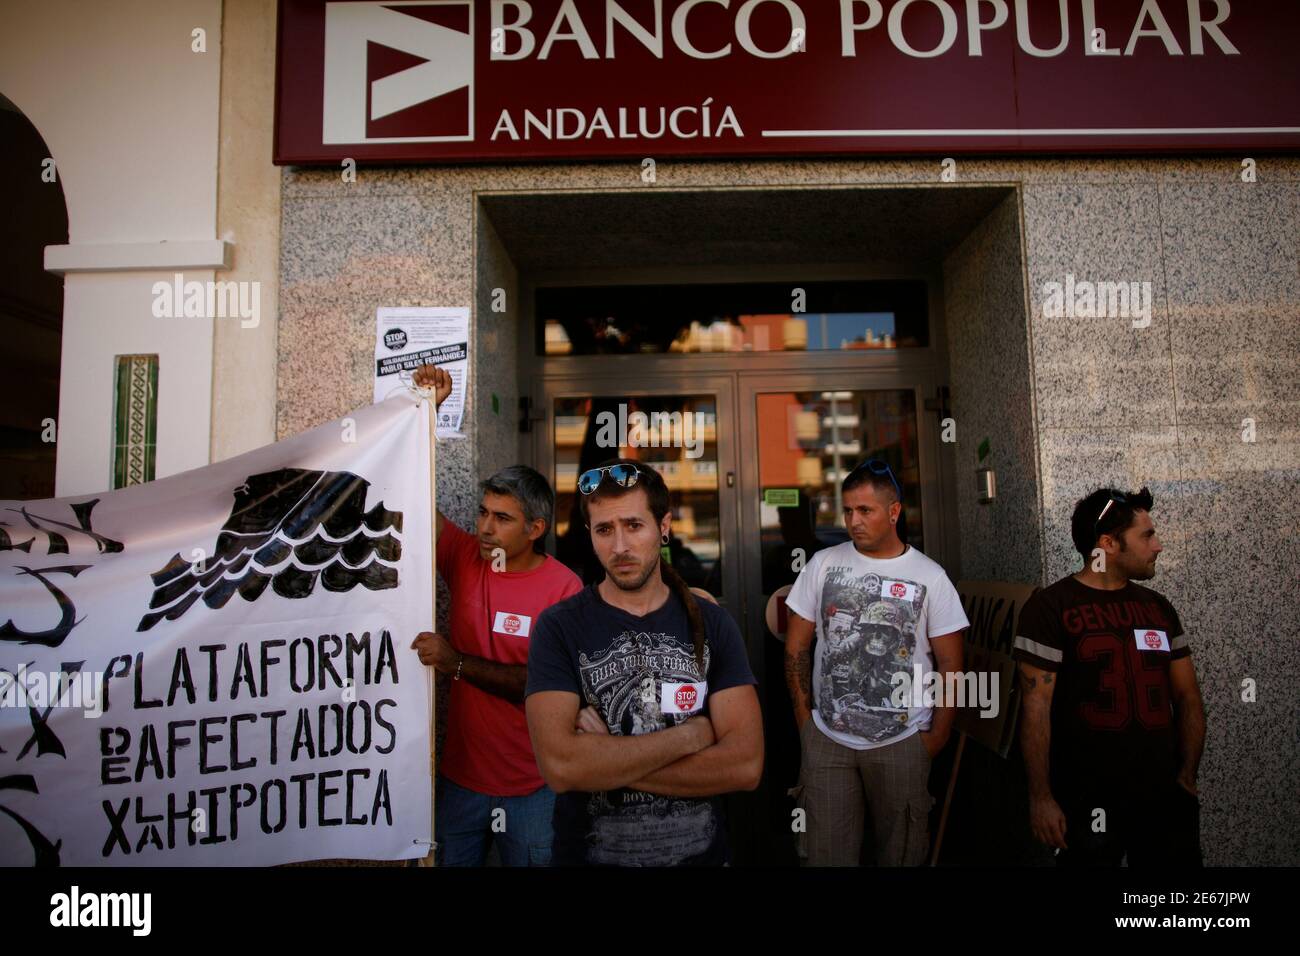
684	698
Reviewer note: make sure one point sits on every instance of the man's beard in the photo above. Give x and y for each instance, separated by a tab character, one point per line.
638	583
1142	574
1139	572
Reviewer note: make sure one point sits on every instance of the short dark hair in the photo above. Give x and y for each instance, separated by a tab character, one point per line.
531	490
884	486
1085	529
649	481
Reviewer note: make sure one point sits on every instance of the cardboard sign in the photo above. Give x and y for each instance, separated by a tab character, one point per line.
993	608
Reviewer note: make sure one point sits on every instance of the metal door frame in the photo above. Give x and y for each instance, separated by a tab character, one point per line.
738	502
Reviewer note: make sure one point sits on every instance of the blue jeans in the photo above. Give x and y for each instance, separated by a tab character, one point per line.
466	821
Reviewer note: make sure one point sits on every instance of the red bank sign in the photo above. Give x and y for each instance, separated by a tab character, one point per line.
499	80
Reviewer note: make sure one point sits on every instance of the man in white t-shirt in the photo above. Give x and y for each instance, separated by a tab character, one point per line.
879	609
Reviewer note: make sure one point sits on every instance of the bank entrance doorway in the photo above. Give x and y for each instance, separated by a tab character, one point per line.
752	443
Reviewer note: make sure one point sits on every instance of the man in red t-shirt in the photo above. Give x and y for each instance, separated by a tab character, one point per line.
500	581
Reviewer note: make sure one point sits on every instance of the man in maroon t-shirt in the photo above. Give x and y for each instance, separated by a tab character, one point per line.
500	579
1112	725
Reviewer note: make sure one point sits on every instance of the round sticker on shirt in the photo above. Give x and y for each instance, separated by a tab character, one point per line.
899	590
1150	639
683	698
507	622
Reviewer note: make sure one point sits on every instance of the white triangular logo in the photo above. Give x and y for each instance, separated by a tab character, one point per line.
349	28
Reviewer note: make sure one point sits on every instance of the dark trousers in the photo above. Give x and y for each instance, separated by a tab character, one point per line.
1154	826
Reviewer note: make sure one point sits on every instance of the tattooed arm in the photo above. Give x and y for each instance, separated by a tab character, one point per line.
798	666
1045	817
947	649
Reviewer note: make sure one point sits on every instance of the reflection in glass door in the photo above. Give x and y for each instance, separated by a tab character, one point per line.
677	435
808	442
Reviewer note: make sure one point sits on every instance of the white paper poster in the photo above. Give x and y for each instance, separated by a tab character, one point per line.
215	668
408	337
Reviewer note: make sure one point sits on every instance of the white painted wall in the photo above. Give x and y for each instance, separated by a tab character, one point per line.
130	114
248	214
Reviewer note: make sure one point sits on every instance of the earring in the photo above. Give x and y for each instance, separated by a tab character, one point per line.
664	539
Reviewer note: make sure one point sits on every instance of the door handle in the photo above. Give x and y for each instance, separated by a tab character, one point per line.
731	479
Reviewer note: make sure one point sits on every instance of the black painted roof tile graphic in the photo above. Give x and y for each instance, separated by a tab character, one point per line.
287	529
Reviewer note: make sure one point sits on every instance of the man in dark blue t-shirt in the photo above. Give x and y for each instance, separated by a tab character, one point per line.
640	700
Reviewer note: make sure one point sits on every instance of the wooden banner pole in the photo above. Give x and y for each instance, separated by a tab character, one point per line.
947	800
428	860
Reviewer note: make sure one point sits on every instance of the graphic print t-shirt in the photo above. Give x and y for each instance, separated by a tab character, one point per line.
1112	718
874	620
641	675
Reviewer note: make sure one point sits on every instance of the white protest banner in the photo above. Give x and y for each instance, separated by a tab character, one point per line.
215	668
410	336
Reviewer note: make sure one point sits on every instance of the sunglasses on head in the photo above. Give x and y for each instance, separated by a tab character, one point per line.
879	467
1118	498
625	476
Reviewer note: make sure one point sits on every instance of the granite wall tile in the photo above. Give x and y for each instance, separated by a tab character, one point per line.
1110	369
1244	535
1077	461
329	182
988	344
1243	618
497	313
1231	255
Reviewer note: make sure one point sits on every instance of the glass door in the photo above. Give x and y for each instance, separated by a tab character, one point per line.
753	462
679	428
803	434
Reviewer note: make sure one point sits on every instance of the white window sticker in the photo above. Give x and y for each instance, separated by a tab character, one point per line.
517	625
900	590
1150	640
683	698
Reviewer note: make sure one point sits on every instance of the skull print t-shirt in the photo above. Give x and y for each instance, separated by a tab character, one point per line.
641	675
874	619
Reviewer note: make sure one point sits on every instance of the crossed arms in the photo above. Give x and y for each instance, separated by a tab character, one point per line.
701	757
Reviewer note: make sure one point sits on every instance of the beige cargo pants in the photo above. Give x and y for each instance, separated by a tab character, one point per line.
838	785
